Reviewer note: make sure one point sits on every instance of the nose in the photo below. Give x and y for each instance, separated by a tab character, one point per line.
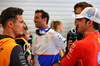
76	22
24	25
34	20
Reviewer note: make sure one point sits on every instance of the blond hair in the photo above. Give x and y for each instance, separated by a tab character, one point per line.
54	25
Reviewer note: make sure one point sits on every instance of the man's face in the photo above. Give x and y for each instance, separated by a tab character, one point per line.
81	25
18	26
38	20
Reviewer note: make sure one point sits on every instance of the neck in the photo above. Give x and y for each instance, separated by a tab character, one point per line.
43	27
88	31
8	32
58	31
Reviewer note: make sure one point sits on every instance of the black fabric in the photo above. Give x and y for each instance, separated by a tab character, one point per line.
73	37
17	57
20	42
38	32
30	40
5	36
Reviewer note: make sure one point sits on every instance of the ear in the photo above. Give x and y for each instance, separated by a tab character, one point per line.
58	26
90	22
45	19
10	24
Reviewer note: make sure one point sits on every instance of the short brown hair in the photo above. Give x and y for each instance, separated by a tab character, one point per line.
10	14
82	4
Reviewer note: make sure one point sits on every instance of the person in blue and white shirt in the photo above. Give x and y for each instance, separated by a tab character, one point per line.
46	42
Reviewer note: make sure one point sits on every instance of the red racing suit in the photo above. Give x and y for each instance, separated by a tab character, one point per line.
85	52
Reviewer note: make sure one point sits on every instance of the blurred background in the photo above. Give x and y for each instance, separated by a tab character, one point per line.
61	10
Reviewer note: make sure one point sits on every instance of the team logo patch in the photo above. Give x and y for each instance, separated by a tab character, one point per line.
58	35
46	37
89	15
99	40
99	58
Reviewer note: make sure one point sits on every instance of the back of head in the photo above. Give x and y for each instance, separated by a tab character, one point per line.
82	4
44	14
10	14
54	25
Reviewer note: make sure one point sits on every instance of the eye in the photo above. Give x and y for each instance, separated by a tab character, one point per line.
36	17
22	22
79	19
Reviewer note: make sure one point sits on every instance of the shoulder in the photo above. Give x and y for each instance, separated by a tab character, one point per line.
51	32
54	33
17	49
17	53
80	42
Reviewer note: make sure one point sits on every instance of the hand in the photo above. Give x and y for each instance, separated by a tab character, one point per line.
61	52
56	64
69	44
29	58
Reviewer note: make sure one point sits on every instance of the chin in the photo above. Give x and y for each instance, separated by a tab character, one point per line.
81	32
36	26
19	34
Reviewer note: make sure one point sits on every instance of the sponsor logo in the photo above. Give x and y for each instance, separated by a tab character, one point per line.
89	15
99	40
98	58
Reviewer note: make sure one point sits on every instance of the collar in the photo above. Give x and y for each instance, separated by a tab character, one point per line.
92	33
43	30
5	36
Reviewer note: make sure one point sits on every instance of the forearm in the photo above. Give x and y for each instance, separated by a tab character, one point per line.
33	62
57	64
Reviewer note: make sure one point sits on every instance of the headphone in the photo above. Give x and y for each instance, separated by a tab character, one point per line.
42	31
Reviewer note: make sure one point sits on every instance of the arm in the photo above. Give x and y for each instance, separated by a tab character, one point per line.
73	55
70	38
56	64
17	57
33	53
33	60
60	41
